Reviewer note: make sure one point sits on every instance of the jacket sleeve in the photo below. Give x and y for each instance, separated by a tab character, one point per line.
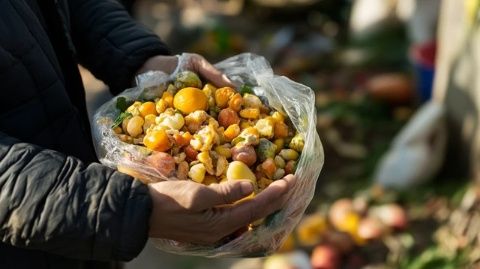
54	203
110	43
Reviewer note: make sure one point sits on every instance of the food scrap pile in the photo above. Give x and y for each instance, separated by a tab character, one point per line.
199	132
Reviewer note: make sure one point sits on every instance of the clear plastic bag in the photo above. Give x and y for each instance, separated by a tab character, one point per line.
296	100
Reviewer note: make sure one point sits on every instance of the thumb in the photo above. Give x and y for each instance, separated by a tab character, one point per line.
230	192
208	71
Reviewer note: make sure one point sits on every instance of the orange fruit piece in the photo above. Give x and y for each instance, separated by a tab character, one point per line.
190	99
147	108
157	140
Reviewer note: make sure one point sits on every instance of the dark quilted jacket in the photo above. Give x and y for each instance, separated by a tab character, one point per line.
58	208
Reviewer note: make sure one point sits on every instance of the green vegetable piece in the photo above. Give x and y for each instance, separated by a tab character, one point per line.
246	89
122	104
266	149
187	79
120	119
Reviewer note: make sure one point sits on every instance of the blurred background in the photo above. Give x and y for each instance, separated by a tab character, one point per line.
394	191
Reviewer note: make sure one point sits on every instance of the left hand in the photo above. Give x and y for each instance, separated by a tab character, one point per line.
190	61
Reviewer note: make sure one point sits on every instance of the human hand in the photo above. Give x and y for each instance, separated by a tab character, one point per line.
189	212
188	61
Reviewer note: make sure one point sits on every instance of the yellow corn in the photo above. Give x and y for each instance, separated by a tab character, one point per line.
223	151
204	157
250	113
209	91
160	106
168	98
125	124
289	154
222	165
244	124
278	117
279	162
135	126
197	172
279	143
223	95
279	174
133	109
252	101
171	89
236	102
149	121
231	132
297	143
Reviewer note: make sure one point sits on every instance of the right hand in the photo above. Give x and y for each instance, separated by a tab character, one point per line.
189	212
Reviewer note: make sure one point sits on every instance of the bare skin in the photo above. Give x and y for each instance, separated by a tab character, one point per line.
193	62
186	211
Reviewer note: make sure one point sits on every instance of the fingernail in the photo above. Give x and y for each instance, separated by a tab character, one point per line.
246	187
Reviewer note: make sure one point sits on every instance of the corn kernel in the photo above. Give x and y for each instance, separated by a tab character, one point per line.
250	113
223	151
252	101
223	95
209	91
133	109
231	132
204	157
236	102
135	126
197	172
278	117
149	121
244	124
172	89
160	106
289	154
278	174
125	124
297	143
279	162
280	143
168	98
222	165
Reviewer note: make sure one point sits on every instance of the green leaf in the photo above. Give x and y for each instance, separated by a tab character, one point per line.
120	118
246	89
122	103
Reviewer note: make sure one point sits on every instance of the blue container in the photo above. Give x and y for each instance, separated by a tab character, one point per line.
424	81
